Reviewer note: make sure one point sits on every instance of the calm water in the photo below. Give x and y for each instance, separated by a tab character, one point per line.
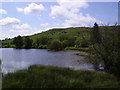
16	59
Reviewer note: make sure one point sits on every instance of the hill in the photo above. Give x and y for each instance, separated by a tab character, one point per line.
67	36
74	37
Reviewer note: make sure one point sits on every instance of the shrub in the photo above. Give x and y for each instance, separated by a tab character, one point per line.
55	45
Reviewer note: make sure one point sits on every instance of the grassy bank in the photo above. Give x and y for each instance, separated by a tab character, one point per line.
39	76
80	49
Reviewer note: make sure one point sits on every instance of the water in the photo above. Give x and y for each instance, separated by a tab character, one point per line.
16	59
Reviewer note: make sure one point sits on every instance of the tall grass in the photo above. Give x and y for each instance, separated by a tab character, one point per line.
39	76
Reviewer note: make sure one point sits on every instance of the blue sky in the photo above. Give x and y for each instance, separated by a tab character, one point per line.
27	18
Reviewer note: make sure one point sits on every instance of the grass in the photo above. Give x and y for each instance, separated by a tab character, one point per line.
80	49
39	76
82	54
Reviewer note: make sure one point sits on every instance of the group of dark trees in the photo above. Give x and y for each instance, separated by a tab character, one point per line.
56	45
21	42
62	42
105	48
53	43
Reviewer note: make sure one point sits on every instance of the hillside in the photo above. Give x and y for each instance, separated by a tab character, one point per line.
66	35
78	37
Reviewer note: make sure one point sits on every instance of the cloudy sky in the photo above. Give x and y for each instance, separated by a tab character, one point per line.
27	18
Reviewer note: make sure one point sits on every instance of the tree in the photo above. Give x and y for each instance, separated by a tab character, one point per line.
69	40
28	43
18	41
107	50
43	40
81	43
65	43
55	45
95	39
95	35
37	43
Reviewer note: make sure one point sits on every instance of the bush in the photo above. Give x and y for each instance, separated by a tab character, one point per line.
65	43
55	45
81	43
42	47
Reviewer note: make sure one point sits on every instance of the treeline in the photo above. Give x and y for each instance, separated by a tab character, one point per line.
48	43
21	42
56	39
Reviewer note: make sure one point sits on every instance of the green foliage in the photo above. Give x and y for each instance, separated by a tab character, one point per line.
27	43
12	46
43	47
18	41
39	76
81	43
55	45
63	37
43	40
65	43
67	40
95	35
66	36
107	51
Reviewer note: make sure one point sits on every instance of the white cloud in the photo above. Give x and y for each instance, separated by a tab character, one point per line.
26	26
24	32
66	7
23	26
72	3
31	8
53	17
79	20
9	21
2	11
19	9
44	24
12	30
70	10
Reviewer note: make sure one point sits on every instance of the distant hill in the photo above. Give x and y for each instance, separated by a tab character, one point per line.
69	36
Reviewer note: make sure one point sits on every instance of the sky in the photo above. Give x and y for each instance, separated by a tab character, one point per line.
28	18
